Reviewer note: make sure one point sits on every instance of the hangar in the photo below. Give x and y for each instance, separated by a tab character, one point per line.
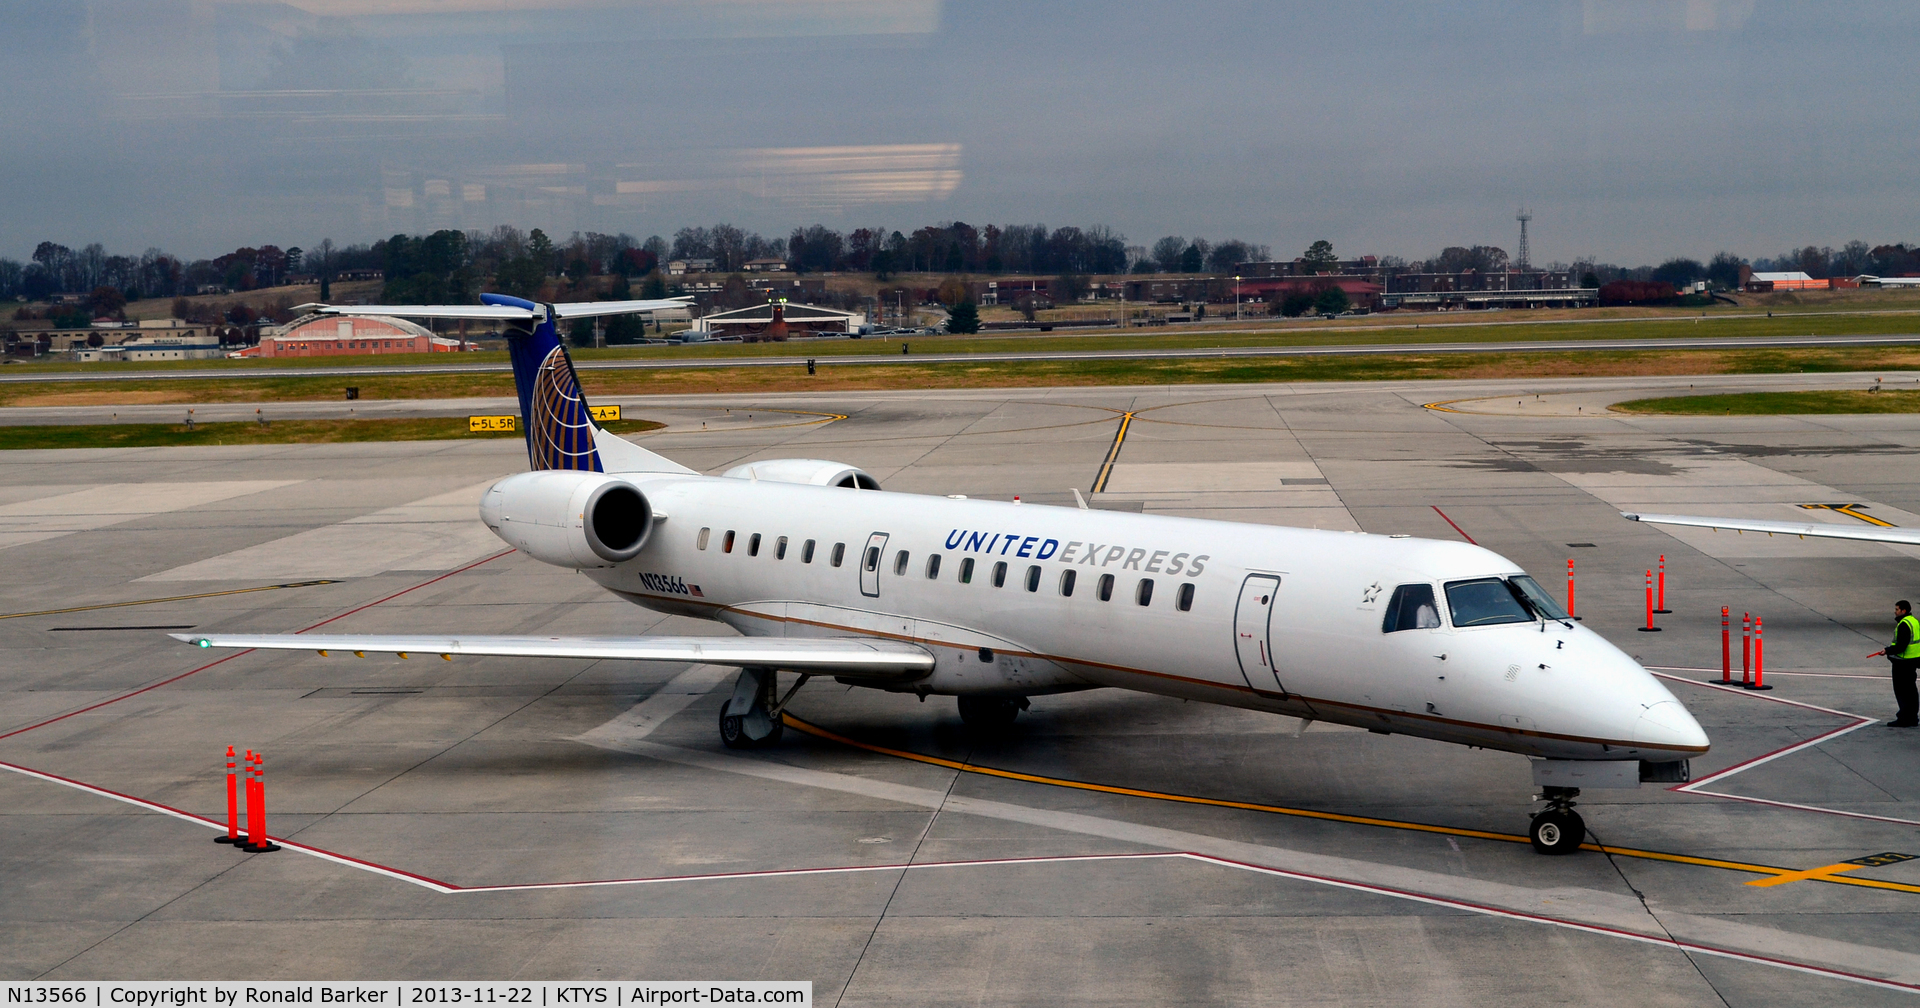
775	320
328	336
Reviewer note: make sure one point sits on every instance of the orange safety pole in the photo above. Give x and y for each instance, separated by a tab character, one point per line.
253	803
1746	648
1660	606
1569	586
1727	648
233	802
1759	656
1649	628
259	843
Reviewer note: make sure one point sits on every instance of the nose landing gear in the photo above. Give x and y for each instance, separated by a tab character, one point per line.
1557	829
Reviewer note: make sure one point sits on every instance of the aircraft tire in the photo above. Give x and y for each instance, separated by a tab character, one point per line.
1557	831
989	715
733	734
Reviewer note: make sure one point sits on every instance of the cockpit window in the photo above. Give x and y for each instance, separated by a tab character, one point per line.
1537	597
1485	602
1411	608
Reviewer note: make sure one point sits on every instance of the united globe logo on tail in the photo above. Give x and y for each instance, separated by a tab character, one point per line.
559	425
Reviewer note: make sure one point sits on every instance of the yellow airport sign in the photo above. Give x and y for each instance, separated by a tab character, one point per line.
605	412
487	424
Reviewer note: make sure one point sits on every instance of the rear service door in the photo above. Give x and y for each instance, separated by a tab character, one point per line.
870	564
1252	639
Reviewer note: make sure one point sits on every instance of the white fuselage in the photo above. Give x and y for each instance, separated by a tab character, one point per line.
1277	619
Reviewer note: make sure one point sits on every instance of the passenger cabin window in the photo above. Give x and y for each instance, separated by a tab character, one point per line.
753	544
806	551
1485	602
1033	579
700	542
966	570
726	542
1411	608
873	558
780	548
900	563
839	553
1066	582
1000	574
1106	587
933	566
1143	593
1184	600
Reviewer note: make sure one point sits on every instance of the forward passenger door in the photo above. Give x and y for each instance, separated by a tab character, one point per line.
1252	632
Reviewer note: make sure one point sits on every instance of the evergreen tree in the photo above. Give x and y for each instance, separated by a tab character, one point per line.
1331	301
965	318
1320	258
625	329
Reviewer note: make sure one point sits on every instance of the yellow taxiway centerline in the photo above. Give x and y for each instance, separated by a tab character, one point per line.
1777	874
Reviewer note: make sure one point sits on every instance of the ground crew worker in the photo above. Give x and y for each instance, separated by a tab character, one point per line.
1904	653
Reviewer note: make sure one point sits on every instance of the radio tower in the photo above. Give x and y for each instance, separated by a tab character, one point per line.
1523	261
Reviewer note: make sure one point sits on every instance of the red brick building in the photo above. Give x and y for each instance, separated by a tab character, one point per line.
337	336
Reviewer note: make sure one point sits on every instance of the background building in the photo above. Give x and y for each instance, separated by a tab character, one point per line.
334	336
756	321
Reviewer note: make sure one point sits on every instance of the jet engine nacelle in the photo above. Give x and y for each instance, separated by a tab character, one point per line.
814	472
569	519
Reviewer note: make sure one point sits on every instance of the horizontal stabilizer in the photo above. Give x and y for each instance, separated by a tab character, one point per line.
1859	533
503	313
594	309
499	312
848	656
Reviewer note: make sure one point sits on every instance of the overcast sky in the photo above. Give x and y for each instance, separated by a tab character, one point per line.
1633	129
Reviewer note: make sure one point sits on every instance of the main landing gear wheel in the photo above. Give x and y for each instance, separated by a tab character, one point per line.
990	715
1558	829
734	732
754	726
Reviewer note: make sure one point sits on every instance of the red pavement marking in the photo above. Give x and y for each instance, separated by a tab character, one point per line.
1456	528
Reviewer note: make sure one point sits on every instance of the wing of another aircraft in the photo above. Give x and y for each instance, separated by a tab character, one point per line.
590	309
848	656
1862	533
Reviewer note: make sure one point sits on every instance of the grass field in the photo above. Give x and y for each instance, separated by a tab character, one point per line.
1368	330
1015	374
1777	403
256	383
277	432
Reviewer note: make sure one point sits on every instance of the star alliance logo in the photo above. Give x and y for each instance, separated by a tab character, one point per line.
1371	592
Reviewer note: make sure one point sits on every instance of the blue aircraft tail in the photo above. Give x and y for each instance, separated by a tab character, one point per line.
559	426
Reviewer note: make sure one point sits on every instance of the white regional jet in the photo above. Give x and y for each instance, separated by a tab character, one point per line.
825	574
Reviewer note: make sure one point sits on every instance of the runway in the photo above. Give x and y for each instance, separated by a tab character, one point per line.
561	819
1706	342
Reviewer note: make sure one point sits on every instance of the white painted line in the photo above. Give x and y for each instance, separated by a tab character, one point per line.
1859	721
642	718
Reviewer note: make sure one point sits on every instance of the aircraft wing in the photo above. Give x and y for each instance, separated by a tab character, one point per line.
590	309
850	656
1862	533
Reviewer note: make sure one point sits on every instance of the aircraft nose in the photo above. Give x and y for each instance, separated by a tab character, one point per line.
1668	725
